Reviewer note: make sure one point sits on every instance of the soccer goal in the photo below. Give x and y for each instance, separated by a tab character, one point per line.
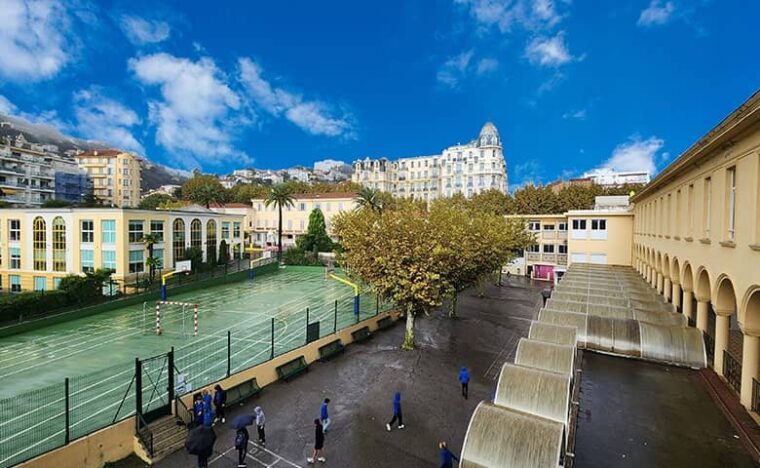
176	318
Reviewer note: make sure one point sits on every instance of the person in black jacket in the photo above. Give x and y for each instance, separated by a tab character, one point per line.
319	443
220	401
241	444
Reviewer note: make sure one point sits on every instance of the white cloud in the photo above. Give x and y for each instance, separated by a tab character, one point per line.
656	14
579	114
195	117
35	39
454	69
532	15
6	106
635	155
104	119
548	51
141	31
486	66
314	117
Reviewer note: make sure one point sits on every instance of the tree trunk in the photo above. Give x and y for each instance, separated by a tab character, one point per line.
453	305
279	236
409	332
481	286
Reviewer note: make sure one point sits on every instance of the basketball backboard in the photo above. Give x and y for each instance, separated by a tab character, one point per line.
184	266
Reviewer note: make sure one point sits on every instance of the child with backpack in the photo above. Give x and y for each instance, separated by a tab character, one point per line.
241	444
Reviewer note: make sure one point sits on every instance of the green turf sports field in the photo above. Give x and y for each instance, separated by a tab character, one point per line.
97	353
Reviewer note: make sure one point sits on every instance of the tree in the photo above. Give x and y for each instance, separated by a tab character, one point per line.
154	201
243	193
316	238
536	200
53	203
149	240
204	190
371	199
91	200
280	196
493	201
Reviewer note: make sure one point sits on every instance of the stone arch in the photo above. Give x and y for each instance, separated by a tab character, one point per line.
675	271
750	310
687	277
702	289
666	266
658	262
724	297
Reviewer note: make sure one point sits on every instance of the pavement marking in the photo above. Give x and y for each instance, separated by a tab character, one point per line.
279	460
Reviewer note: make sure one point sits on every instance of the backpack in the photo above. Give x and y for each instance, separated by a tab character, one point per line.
240	440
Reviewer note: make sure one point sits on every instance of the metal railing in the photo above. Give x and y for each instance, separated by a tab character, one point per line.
732	371
709	347
755	395
145	434
182	411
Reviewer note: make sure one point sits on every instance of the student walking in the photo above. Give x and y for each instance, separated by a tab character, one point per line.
397	415
220	401
260	421
446	457
197	409
319	443
323	416
208	413
464	379
241	444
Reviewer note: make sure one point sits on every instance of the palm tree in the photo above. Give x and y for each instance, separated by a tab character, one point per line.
281	196
369	198
149	240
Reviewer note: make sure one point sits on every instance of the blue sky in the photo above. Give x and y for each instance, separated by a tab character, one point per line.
571	85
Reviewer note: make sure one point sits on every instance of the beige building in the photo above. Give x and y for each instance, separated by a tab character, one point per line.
697	240
468	169
263	220
38	247
115	176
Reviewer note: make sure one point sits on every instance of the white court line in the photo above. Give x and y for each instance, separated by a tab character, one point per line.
278	458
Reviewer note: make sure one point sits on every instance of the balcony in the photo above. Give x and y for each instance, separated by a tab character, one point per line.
562	235
532	256
549	257
562	259
548	234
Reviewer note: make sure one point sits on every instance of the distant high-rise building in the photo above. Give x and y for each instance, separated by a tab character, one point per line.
467	169
115	175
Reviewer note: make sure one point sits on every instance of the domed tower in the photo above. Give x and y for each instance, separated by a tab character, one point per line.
490	144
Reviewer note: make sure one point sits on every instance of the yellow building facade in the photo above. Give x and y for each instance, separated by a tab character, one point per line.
697	240
263	220
115	176
38	247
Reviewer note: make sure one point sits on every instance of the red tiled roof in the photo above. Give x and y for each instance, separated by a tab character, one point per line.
105	152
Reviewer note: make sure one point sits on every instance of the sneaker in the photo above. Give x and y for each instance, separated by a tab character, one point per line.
310	460
401	426
242	466
224	420
388	426
321	459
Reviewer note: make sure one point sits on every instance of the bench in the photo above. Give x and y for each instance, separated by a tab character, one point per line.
361	334
330	349
385	323
292	368
240	393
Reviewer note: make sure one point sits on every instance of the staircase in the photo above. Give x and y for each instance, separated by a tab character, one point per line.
166	435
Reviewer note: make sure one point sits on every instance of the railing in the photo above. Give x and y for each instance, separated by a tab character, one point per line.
755	396
562	259
732	371
182	411
549	257
532	256
709	347
145	434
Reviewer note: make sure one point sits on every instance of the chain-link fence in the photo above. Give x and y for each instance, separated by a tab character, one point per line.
38	421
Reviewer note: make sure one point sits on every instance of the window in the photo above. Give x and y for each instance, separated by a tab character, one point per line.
599	229
690	210
136	227
15	253
579	229
109	259
196	236
15	283
136	261
14	229
668	214
88	231
59	244
562	227
39	283
178	239
578	257
226	230
302	207
88	261
534	225
302	225
56	283
108	231
533	248
548	227
599	258
157	228
731	201
706	207
548	248
211	241
158	255
290	225
562	248
236	230
677	230
39	243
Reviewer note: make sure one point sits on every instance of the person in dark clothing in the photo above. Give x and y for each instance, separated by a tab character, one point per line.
208	412
319	443
261	419
323	416
464	379
203	458
220	401
241	444
397	415
197	409
446	457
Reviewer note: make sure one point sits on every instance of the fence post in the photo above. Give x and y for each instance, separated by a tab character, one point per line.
229	351
66	409
335	322
138	391
170	375
307	325
271	356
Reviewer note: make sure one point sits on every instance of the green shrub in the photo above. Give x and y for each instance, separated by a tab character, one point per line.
296	256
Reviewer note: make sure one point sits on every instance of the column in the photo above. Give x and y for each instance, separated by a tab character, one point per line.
653	280
687	303
750	354
721	338
667	289
702	304
648	274
660	282
676	296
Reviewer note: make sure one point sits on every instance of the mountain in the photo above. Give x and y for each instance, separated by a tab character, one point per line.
153	175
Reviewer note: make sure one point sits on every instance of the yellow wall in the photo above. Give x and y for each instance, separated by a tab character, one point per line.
121	195
616	248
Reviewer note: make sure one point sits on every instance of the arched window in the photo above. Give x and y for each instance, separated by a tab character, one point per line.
211	242
178	240
59	244
40	241
196	239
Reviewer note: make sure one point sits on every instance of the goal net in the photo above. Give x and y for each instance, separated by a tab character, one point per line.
171	317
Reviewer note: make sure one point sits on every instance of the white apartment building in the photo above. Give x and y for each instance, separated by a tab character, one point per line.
467	169
610	178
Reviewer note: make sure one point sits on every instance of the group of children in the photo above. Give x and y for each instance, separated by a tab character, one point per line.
207	409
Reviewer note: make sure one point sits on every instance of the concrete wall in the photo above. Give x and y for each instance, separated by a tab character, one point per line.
617	247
